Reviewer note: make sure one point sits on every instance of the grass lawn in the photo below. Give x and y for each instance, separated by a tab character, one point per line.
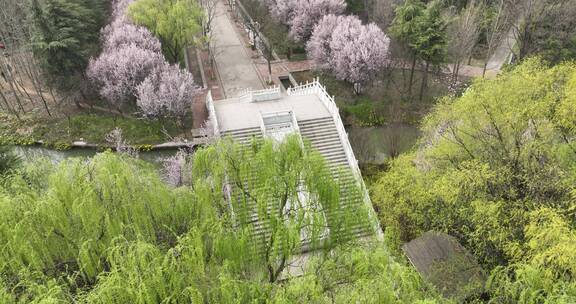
386	100
89	125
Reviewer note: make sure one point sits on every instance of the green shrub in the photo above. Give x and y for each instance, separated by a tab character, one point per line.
364	114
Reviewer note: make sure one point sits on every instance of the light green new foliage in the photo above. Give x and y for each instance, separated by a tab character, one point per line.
284	193
357	274
8	160
107	230
177	23
68	227
496	169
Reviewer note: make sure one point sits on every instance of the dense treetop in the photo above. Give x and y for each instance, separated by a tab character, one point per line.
497	169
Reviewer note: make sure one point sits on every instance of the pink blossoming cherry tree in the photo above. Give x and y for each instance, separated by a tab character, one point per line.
132	70
167	92
352	51
307	13
120	34
118	72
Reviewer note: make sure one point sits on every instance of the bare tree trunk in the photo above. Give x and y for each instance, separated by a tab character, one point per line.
269	59
424	81
10	80
456	70
35	83
9	107
412	75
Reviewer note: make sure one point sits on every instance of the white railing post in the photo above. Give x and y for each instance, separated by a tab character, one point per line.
261	95
212	114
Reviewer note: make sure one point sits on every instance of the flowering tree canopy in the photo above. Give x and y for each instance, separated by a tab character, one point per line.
302	15
118	72
282	10
132	67
318	47
119	34
168	91
352	51
308	12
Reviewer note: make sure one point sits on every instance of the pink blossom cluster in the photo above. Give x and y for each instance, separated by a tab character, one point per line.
168	91
132	68
302	15
350	50
119	71
175	170
119	34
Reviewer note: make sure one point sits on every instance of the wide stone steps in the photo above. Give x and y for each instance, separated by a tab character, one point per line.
243	136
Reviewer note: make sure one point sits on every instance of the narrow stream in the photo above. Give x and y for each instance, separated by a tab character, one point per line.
28	153
376	144
370	145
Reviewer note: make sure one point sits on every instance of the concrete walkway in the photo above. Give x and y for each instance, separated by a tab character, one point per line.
235	66
503	51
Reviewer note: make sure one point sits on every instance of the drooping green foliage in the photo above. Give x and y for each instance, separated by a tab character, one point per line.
8	160
496	168
107	230
177	23
64	36
285	195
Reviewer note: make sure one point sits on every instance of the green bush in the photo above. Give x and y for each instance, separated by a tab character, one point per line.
364	114
496	169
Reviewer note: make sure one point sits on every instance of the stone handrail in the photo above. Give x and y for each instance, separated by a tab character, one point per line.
315	88
261	95
212	113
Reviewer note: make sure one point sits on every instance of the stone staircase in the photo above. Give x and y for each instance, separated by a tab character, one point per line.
243	136
323	136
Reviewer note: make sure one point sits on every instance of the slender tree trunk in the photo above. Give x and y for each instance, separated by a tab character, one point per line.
269	64
37	89
18	101
456	70
46	105
424	81
411	75
357	88
9	106
53	97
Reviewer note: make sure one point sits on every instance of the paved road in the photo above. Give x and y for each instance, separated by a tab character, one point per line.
502	52
234	64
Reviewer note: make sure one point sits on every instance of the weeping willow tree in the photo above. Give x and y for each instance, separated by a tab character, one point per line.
285	195
108	230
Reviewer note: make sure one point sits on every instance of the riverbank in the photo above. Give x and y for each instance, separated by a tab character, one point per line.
88	129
